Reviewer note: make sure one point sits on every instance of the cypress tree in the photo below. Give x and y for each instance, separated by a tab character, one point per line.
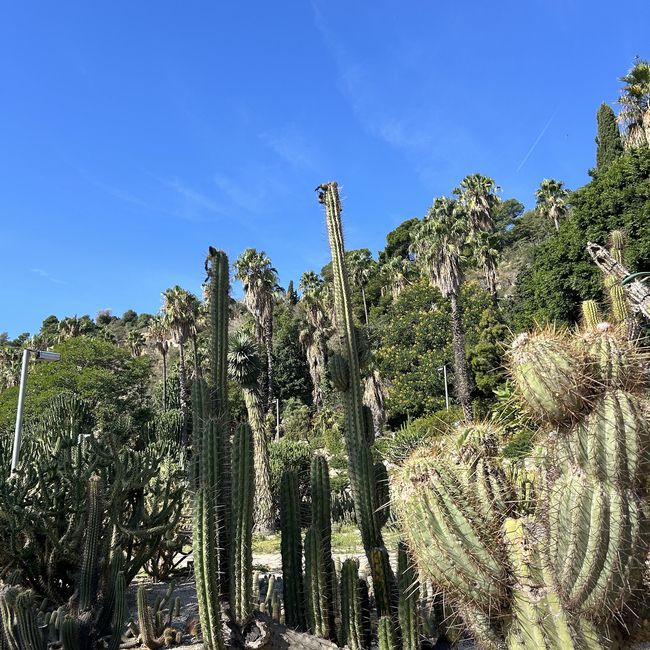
608	140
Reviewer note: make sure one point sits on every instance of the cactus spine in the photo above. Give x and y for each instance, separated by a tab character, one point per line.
242	510
291	550
361	468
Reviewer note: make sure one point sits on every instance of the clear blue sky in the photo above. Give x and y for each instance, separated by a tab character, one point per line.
135	134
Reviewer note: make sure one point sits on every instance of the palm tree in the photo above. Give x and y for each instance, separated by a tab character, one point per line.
438	247
178	314
634	116
478	196
478	200
316	331
553	200
360	265
245	368
135	341
395	271
253	269
158	333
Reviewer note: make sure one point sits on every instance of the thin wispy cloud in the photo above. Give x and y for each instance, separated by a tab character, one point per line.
419	132
195	197
46	275
290	145
537	140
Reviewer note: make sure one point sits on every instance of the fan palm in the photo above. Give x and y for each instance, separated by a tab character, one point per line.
135	340
316	331
478	200
634	116
553	200
395	270
260	280
360	266
179	314
438	247
245	368
158	333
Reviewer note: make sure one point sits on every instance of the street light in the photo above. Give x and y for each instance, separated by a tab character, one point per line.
443	369
43	355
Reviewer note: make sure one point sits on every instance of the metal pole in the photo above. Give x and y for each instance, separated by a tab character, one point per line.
19	415
277	418
444	370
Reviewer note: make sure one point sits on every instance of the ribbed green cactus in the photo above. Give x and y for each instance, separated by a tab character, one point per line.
318	615
321	522
291	551
590	313
565	571
212	507
409	597
353	634
243	482
386	634
155	622
358	430
218	297
89	579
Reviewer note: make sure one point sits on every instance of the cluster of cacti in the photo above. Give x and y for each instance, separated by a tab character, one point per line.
561	569
155	622
96	613
358	429
43	505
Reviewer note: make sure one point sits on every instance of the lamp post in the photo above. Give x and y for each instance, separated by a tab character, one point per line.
40	355
443	369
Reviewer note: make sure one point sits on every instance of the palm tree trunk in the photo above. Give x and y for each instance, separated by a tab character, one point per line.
365	304
268	343
182	381
164	361
460	362
264	511
197	364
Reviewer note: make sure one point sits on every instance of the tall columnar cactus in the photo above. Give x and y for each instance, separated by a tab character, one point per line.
347	377
242	525
318	615
353	627
565	573
321	522
291	551
409	597
218	287
89	575
211	512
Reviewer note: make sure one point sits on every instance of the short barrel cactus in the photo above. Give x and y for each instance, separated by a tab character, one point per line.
564	572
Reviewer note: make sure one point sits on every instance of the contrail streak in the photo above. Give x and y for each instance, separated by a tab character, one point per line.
539	137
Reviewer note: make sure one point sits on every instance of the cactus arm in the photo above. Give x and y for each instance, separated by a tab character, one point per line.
90	560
